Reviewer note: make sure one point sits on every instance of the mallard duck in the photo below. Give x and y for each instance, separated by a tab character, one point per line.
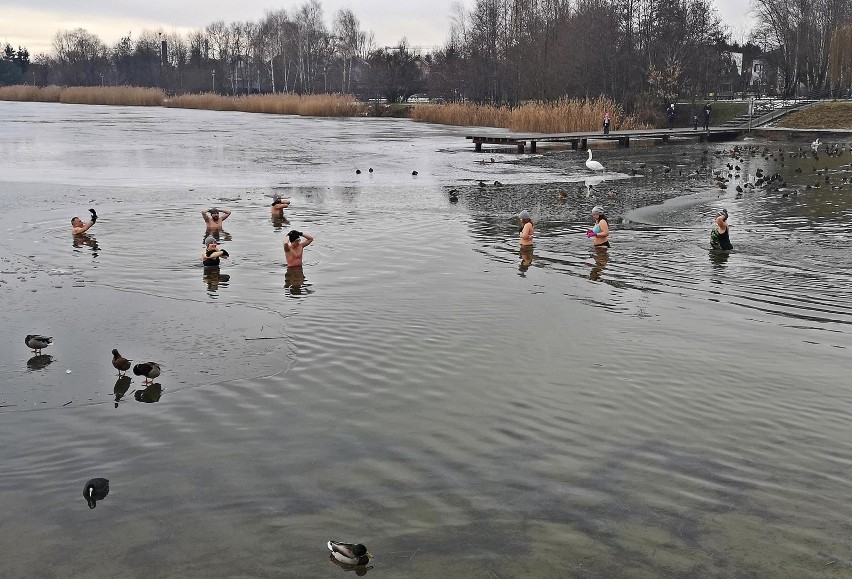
95	490
148	369
37	342
119	363
349	553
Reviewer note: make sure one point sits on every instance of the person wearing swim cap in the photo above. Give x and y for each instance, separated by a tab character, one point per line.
600	232
214	217
527	229
720	237
294	246
211	254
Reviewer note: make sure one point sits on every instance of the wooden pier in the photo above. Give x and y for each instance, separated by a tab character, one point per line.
581	140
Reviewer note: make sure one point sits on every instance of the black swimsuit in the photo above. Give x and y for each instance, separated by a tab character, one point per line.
210	261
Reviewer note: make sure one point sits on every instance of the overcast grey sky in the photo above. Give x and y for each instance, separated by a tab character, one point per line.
33	23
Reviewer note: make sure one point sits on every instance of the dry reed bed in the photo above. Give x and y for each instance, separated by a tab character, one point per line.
320	105
28	93
562	116
85	95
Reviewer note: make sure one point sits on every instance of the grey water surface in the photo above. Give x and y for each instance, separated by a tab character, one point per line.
656	411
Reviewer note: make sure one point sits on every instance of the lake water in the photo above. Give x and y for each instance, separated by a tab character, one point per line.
658	411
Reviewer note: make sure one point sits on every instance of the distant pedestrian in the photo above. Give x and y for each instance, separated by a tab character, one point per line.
707	117
606	124
694	122
670	113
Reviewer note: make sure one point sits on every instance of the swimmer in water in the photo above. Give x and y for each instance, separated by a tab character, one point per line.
213	217
278	206
600	232
78	227
211	254
527	229
720	235
294	246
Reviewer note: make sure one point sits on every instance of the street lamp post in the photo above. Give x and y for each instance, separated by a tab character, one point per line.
213	72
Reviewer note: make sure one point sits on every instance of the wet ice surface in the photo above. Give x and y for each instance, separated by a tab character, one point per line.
660	411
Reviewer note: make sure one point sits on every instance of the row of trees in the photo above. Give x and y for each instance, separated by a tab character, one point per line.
501	51
798	36
13	65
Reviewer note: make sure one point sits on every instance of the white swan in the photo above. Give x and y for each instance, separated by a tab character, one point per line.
593	165
815	145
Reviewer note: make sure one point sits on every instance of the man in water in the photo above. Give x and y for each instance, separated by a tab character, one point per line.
294	246
214	218
78	227
278	206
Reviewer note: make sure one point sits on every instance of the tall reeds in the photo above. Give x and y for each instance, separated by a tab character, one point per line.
85	95
317	105
561	116
28	93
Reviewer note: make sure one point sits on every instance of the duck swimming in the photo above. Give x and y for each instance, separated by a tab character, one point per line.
148	369
37	342
349	553
95	490
119	363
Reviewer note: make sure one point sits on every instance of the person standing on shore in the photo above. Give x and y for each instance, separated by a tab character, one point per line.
600	232
78	227
720	236
670	113
606	124
707	117
214	218
294	246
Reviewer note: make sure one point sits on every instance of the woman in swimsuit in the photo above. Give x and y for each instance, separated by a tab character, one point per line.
720	235
211	254
600	232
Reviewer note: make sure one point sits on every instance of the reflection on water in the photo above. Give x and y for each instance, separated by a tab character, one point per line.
601	258
217	234
120	388
214	278
294	282
39	362
718	257
359	570
90	241
279	221
526	253
150	394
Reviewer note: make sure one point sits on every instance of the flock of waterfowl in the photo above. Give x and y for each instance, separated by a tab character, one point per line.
347	555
